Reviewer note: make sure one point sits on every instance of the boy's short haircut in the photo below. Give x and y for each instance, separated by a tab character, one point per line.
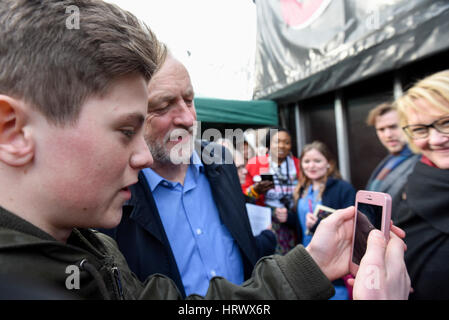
380	110
55	68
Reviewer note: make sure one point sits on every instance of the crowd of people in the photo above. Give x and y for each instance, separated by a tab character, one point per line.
414	130
146	212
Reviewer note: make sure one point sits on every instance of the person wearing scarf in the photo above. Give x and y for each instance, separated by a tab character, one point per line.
391	173
423	204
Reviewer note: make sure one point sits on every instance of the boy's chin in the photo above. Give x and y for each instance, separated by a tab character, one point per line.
110	219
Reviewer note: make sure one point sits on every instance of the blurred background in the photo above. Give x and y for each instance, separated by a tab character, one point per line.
215	40
315	67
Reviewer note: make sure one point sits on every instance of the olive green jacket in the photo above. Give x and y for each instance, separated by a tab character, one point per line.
90	266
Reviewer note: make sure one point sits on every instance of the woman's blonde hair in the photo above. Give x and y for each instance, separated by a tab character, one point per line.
434	89
304	182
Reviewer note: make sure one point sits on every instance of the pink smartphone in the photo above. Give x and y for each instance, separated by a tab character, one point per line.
373	211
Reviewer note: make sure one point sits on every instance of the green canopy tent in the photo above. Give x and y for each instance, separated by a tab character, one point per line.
254	112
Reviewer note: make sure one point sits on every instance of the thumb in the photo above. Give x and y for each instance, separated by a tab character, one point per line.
375	249
371	274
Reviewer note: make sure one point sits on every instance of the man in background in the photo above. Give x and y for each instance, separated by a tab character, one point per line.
391	173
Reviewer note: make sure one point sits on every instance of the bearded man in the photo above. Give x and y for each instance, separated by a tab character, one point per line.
187	217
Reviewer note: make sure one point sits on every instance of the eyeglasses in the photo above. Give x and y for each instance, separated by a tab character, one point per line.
421	131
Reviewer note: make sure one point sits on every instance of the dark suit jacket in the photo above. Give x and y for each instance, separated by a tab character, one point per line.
142	239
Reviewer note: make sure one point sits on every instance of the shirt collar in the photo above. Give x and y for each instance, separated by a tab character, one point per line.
154	179
195	161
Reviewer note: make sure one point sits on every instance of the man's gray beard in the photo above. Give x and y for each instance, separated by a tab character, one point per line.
163	156
159	153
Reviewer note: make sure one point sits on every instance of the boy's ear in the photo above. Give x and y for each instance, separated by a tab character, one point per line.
16	145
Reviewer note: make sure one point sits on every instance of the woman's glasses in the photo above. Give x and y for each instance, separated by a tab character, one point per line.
421	131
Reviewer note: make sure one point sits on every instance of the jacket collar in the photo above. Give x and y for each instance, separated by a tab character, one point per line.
9	220
83	239
143	210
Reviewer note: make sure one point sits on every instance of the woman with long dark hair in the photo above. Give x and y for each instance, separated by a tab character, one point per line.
320	184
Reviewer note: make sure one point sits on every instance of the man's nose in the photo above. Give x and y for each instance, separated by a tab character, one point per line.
185	115
388	132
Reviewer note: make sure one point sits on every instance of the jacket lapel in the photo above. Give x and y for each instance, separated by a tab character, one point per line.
145	213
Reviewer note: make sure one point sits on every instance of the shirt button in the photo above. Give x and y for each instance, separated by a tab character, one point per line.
198	231
213	273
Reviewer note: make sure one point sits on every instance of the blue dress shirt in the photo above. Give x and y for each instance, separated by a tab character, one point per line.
202	245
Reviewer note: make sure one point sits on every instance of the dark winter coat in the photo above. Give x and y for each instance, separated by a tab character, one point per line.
423	213
38	267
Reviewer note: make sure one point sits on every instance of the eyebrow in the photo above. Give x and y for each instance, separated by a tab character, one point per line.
389	126
189	92
136	119
161	97
168	97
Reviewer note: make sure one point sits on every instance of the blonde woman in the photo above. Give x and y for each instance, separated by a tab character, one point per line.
423	206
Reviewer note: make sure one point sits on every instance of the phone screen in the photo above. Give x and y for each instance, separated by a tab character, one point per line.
267	177
369	216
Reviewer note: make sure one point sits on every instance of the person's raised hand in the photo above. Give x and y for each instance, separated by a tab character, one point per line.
263	186
311	220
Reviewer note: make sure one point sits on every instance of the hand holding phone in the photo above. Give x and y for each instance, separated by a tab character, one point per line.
330	246
263	186
373	211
